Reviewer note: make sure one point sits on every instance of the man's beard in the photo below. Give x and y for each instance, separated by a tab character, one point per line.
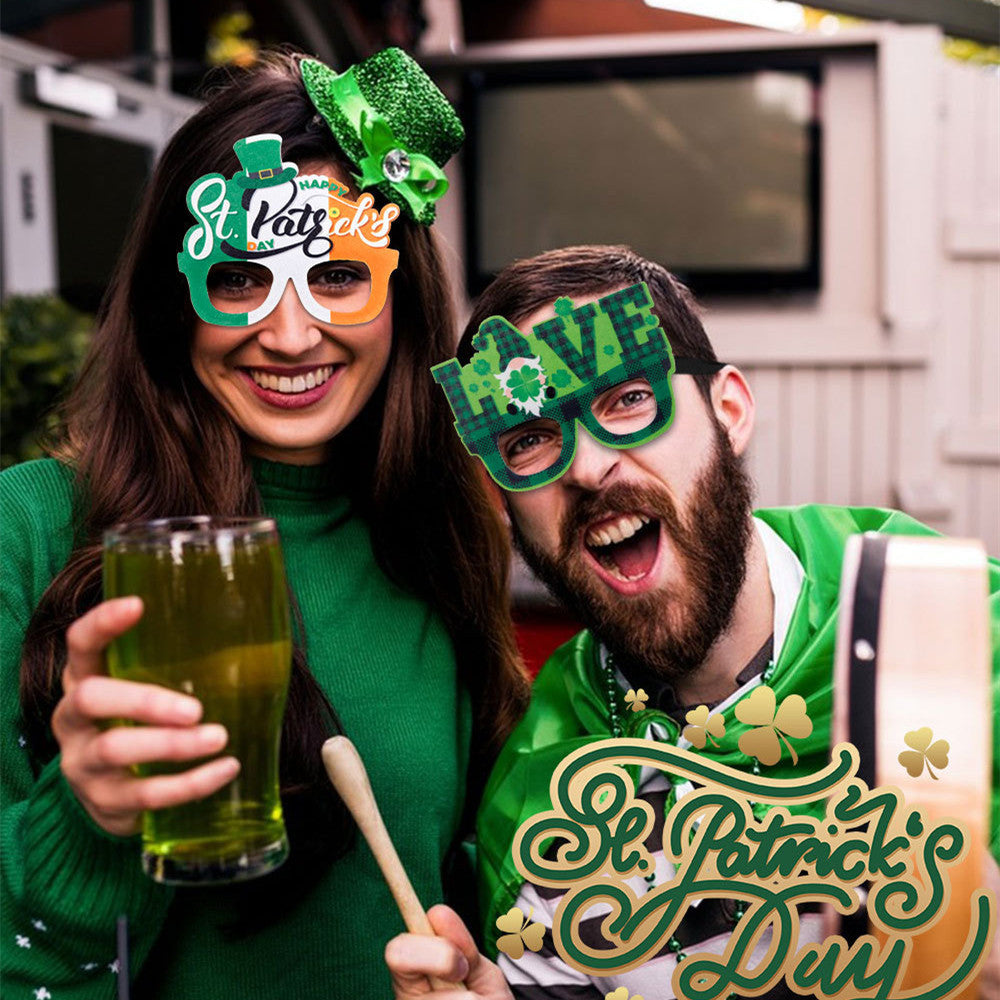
668	630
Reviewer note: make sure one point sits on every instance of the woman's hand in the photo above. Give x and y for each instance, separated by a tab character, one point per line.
96	761
451	956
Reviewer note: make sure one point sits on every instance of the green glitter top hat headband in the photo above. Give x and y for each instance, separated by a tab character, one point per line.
393	122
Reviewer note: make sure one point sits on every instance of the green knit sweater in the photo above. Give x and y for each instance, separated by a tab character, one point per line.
387	665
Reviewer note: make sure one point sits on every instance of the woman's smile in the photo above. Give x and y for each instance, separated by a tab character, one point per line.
291	387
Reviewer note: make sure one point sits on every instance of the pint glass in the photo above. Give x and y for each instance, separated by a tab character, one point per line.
215	626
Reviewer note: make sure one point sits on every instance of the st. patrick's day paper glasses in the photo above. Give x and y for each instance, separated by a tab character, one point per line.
606	365
268	225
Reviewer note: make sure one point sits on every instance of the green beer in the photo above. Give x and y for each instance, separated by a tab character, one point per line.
216	626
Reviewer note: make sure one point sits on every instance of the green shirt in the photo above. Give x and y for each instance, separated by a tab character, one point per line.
385	661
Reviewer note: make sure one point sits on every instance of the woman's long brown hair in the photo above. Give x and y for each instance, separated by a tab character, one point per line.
147	441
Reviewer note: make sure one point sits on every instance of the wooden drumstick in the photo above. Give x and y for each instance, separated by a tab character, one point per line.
349	777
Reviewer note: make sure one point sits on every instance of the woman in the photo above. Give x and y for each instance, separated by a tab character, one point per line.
395	561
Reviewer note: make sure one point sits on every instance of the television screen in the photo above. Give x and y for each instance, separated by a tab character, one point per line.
714	175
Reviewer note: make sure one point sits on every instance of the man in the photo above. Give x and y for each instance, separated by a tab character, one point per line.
687	598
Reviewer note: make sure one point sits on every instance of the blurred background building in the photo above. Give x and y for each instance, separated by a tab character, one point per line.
827	181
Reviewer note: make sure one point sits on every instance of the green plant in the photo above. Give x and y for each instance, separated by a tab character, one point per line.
42	342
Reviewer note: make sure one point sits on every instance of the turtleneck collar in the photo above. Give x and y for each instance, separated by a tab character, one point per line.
278	479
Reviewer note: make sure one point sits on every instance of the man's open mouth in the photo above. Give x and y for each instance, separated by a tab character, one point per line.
625	546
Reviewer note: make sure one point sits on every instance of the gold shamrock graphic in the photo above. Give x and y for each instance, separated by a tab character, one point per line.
924	752
703	726
518	934
637	699
790	720
620	994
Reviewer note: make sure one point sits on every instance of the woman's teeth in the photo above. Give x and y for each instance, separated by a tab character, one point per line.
616	531
290	386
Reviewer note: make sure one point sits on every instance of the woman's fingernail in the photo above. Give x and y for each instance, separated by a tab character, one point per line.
212	734
189	709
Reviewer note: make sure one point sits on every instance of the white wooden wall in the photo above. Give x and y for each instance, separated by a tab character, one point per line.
970	244
921	432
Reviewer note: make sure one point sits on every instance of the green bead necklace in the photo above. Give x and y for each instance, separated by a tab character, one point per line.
614	707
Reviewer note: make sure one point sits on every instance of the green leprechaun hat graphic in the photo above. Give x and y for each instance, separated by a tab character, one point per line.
260	157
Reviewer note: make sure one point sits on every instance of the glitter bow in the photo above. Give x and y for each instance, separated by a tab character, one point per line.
417	178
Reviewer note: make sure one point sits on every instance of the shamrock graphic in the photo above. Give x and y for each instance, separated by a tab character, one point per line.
524	384
481	366
703	726
637	699
923	752
561	378
622	993
518	933
608	349
790	720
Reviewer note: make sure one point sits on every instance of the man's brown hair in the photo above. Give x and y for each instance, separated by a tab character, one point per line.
584	273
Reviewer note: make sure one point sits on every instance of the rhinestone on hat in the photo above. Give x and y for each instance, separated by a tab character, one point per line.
396	165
